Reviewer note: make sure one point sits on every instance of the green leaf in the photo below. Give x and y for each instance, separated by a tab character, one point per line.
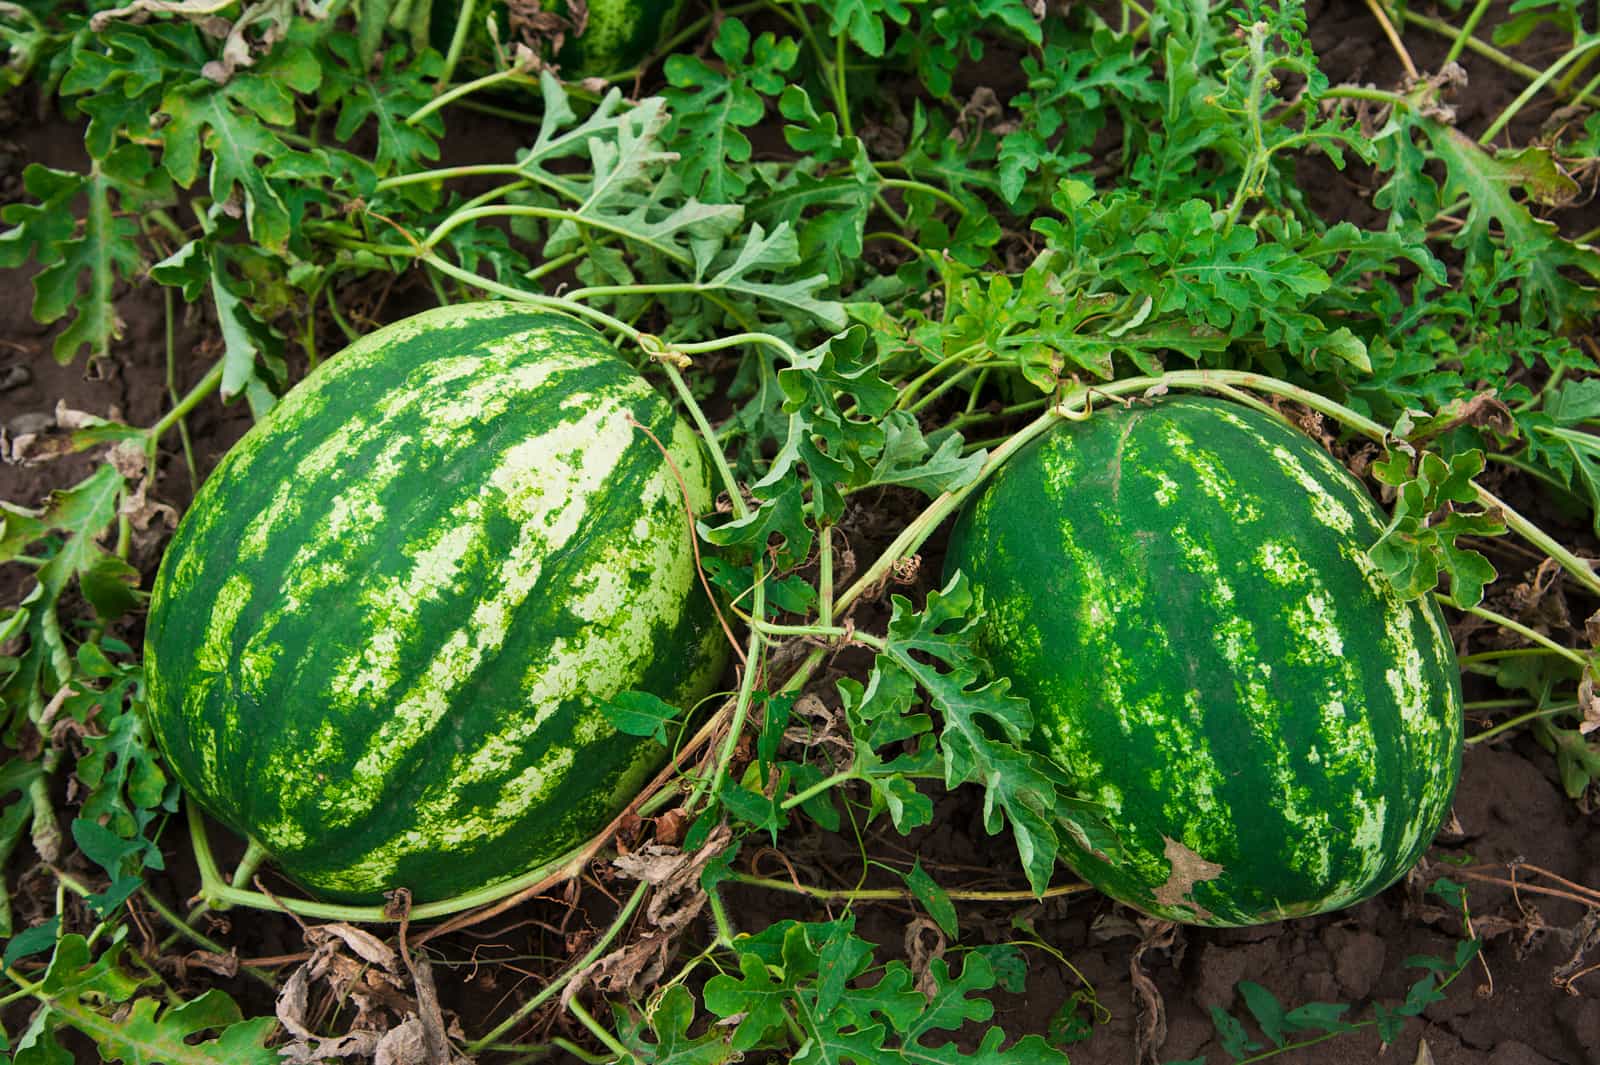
1319	1017
1390	1022
31	941
778	523
933	899
832	446
121	768
385	98
756	808
1236	1042
1575	402
93	253
1422	994
16	776
1486	182
1267	1010
231	125
75	517
1071	1024
755	996
957	999
984	726
1580	451
86	994
863	21
773	253
841	957
908	459
1416	546
710	106
154	1034
669	1022
1073	86
110	585
642	714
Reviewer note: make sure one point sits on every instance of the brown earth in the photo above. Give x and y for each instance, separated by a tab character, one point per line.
1508	1010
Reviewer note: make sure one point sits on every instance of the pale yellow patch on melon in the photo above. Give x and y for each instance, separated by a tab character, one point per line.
1327	510
543	484
1212	476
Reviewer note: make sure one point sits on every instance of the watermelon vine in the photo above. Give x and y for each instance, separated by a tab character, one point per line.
861	259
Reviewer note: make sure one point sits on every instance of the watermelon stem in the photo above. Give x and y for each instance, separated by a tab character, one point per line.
466	88
758	597
598	1030
202	388
254	855
592	955
556	214
825	577
1580	659
1521	719
843	776
828	632
848	895
719	917
458	40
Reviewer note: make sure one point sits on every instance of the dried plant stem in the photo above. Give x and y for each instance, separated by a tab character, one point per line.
1394	38
589	957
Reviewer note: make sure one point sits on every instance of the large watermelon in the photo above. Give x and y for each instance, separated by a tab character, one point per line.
381	639
1182	591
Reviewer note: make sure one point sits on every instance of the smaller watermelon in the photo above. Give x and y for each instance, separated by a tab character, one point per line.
1181	589
617	35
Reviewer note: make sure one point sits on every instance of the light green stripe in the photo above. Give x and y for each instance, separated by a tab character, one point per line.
588	666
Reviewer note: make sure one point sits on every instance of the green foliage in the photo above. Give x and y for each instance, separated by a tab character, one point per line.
1313	1022
816	988
83	992
875	255
1419	542
96	254
711	106
65	530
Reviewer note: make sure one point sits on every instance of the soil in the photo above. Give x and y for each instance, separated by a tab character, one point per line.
1512	1009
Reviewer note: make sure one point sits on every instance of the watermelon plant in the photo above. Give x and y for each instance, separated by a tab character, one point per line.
879	257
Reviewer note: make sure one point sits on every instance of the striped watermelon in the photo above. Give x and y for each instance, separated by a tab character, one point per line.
381	639
617	35
1181	589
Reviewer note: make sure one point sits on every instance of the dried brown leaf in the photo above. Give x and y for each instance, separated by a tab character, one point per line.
1150	1028
364	945
408	1044
671	826
924	942
141	10
294	999
1588	703
428	1029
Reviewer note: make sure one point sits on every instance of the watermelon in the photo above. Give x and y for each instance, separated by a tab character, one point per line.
1181	590
617	36
382	639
